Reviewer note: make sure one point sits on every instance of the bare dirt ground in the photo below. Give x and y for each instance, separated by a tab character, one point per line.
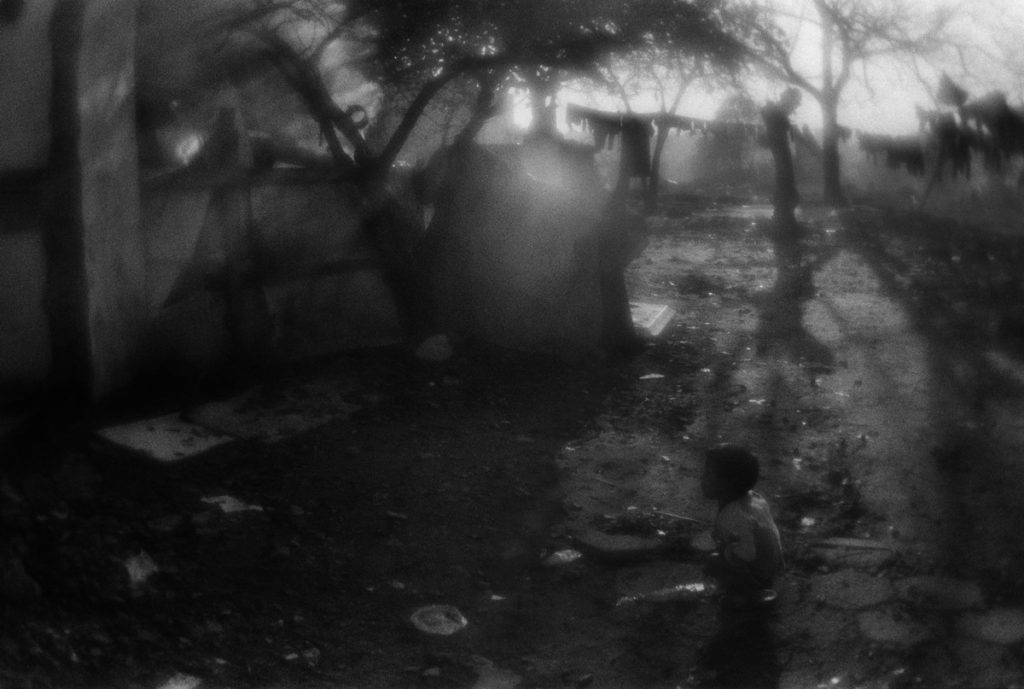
875	368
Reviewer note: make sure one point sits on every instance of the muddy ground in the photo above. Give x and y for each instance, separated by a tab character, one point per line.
875	368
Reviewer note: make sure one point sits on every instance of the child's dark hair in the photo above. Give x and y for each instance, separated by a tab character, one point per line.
736	464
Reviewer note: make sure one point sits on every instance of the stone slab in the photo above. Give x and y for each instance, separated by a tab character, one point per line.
652	319
245	417
619	547
851	589
858	553
167	438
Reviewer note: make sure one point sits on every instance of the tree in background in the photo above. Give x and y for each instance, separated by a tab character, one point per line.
679	49
665	75
853	34
733	159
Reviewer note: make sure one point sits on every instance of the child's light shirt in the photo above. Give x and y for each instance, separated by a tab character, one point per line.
748	539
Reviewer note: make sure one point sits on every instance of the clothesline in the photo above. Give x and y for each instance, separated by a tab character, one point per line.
955	141
607	125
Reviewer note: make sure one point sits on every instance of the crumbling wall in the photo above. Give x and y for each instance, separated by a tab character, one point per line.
305	260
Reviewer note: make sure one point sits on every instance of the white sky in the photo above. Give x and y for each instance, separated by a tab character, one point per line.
885	101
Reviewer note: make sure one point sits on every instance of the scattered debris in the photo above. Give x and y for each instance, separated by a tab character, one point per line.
181	681
850	589
231	505
1003	626
440	620
166	438
884	627
436	349
661	582
559	558
940	593
652	319
140	568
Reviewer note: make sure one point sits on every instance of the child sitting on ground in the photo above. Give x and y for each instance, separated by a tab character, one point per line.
748	558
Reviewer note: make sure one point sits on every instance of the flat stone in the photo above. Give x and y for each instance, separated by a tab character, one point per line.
166	438
652	319
883	627
245	416
619	547
656	576
851	589
858	553
940	593
999	626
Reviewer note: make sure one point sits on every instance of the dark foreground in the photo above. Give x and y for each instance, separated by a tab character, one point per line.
875	368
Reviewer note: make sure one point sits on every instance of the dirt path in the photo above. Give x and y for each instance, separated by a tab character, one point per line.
866	367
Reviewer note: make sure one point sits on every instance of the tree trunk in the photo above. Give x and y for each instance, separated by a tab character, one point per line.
655	179
829	100
785	196
541	90
833	192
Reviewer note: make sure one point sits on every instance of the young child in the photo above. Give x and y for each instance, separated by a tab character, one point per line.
748	558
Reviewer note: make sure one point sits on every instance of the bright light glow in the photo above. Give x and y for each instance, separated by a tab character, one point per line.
522	113
188	147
